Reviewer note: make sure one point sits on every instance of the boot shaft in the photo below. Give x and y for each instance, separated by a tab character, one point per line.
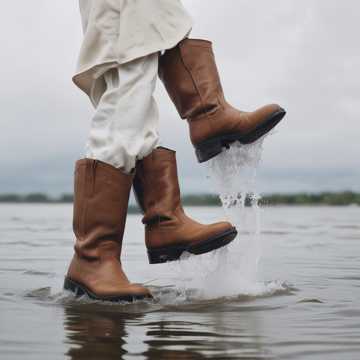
101	195
156	185
191	78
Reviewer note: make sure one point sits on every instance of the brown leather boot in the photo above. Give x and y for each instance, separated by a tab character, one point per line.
190	76
169	232
100	209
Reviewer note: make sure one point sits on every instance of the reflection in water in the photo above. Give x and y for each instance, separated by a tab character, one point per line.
96	331
96	334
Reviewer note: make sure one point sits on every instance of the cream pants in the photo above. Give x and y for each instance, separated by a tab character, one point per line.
124	127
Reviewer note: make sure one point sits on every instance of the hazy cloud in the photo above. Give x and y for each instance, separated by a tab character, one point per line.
304	55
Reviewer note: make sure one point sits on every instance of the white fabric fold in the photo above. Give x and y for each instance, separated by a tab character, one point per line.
124	127
119	31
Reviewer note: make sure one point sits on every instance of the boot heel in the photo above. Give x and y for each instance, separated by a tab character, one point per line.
163	255
208	149
73	287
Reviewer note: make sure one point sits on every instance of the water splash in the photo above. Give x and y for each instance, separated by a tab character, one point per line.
232	270
234	173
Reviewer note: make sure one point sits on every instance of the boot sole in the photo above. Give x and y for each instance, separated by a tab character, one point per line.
80	290
172	253
208	149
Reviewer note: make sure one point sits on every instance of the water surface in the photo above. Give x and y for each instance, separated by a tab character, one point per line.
303	304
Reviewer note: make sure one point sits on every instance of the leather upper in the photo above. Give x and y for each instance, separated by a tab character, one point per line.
100	207
191	78
157	190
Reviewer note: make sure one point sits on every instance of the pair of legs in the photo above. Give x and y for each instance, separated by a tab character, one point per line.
122	152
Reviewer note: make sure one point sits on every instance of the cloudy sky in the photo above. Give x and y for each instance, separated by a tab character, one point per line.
304	55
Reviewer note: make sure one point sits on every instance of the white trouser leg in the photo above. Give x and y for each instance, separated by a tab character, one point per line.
125	125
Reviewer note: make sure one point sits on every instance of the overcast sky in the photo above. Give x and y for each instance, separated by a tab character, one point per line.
304	55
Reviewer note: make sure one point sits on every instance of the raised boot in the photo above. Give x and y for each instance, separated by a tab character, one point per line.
168	230
191	78
100	209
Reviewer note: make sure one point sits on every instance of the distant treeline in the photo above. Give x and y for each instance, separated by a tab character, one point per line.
325	198
35	198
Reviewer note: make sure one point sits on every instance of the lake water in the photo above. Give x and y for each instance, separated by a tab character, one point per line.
299	300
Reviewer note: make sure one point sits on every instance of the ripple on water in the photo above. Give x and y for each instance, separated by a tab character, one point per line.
39	273
315	301
166	297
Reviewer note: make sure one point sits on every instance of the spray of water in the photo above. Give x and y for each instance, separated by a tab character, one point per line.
230	271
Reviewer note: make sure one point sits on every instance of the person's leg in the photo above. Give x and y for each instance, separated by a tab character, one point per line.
123	129
125	125
101	195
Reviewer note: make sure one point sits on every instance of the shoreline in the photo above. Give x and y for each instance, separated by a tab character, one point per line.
344	198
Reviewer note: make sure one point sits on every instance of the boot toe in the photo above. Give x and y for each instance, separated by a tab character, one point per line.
222	227
139	291
212	231
267	110
129	293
